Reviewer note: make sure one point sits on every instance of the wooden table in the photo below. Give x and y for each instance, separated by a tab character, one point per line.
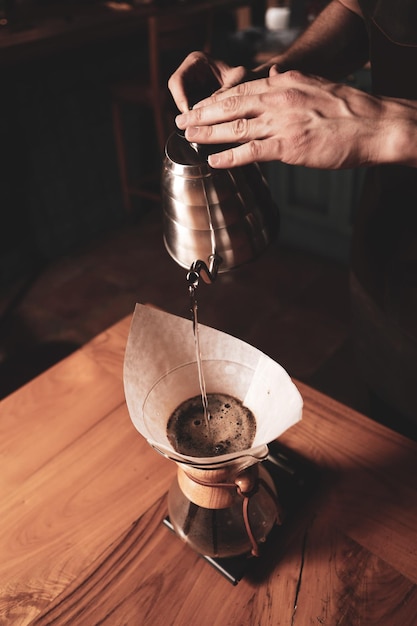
83	497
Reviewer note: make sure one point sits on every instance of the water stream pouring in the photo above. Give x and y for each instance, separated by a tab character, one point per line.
223	503
214	220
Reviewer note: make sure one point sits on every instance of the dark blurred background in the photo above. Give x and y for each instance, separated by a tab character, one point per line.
72	261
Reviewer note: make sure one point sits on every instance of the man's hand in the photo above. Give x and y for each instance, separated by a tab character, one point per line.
303	120
200	76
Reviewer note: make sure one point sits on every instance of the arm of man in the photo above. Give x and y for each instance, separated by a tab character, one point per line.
334	45
302	119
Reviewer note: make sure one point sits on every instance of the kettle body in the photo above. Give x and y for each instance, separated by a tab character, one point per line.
211	212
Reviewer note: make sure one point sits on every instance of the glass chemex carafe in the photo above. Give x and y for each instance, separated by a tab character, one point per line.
221	504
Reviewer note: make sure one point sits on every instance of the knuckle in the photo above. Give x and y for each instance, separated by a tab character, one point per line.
240	128
292	96
255	148
195	56
197	116
230	105
242	89
293	75
230	157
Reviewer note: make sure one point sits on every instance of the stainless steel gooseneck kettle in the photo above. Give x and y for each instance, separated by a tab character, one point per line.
214	220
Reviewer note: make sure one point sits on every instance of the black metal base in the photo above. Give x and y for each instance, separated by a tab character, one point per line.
232	568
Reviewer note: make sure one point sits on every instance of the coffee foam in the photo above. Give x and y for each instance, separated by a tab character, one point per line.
230	428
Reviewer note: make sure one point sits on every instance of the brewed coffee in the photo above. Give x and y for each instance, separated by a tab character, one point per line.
232	426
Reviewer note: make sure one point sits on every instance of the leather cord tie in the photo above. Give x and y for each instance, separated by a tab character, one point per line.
247	486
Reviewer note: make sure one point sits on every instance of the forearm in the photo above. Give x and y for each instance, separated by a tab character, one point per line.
334	45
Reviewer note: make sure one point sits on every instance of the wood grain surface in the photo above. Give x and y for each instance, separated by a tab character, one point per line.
83	497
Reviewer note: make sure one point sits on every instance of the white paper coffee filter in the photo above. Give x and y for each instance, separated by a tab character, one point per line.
160	372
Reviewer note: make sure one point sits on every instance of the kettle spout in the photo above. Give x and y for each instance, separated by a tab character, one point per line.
200	269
